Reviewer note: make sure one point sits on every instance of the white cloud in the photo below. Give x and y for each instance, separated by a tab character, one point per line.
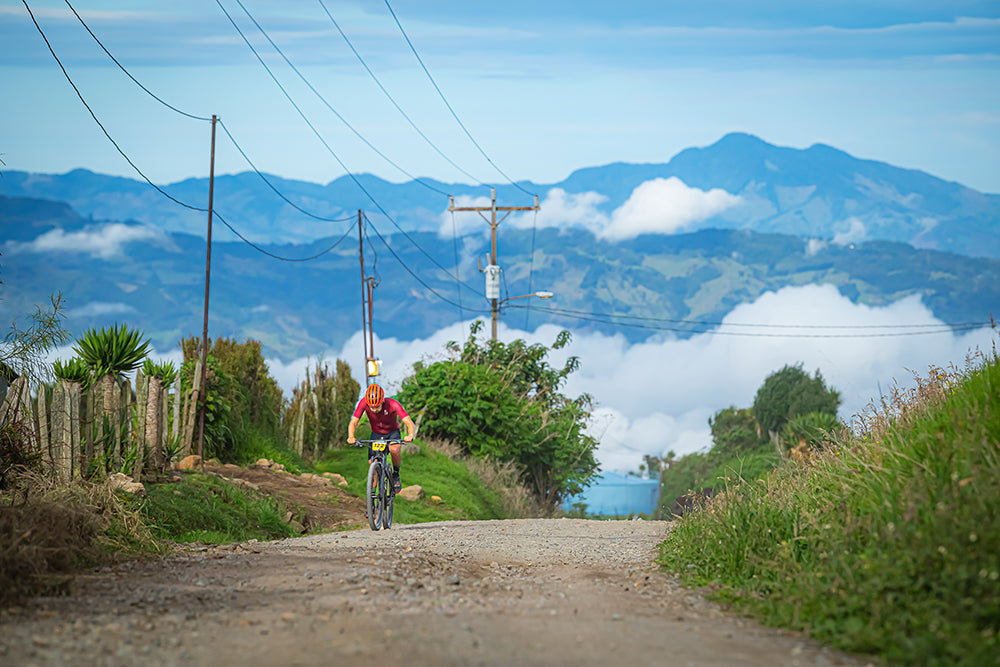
463	223
103	241
854	233
561	208
814	246
656	396
665	206
98	309
658	206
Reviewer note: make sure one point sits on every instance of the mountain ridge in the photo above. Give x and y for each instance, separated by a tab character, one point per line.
819	191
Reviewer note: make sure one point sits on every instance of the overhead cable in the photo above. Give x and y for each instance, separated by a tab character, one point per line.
418	278
280	257
454	115
393	101
127	73
141	173
612	320
195	117
328	105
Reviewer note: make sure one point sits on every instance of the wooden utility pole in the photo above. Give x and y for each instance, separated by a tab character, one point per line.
493	270
367	309
208	270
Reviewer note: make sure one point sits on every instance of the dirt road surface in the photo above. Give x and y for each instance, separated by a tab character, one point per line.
517	592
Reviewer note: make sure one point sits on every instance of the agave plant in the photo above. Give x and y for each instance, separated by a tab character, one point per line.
113	351
74	370
164	371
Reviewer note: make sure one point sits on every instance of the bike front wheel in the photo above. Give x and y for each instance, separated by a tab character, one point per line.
390	497
373	502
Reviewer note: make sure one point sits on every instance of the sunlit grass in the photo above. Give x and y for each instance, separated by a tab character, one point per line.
885	542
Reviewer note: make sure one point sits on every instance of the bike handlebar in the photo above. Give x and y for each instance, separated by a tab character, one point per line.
358	443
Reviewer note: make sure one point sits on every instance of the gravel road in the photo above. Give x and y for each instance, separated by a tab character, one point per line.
519	592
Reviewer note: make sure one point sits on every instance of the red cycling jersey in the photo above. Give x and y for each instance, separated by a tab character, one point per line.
384	420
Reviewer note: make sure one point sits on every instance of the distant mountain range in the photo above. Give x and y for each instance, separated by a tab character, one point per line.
654	284
120	251
818	192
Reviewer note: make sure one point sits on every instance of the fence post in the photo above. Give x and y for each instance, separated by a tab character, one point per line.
141	396
75	425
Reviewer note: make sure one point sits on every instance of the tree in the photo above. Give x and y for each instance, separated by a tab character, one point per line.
503	401
791	392
734	431
23	349
242	400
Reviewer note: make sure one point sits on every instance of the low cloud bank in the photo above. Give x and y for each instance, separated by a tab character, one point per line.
101	241
657	395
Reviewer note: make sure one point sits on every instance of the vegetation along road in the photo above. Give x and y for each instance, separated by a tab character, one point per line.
527	591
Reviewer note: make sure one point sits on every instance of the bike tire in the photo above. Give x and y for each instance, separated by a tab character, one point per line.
373	508
390	497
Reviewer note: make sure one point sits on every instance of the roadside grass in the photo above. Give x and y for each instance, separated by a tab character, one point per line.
205	509
50	530
886	542
463	494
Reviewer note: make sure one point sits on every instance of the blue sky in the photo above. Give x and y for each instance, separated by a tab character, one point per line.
544	88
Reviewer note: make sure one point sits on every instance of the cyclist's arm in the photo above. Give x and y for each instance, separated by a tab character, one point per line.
350	430
410	429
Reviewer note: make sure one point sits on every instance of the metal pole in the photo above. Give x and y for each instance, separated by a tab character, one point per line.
494	304
208	272
364	317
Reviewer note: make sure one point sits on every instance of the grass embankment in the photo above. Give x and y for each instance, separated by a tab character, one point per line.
463	494
885	543
50	530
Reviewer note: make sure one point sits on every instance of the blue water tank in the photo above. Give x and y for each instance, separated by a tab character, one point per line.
613	494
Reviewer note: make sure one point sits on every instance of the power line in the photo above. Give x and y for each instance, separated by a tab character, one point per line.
101	125
418	278
392	100
349	173
776	326
601	318
195	117
127	73
329	106
136	167
443	99
270	185
279	257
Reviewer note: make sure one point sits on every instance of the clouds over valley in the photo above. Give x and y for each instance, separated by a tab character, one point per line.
100	241
657	395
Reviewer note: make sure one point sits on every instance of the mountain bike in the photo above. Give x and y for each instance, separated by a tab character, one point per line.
380	493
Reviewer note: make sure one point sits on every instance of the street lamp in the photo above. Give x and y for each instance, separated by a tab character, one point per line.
540	295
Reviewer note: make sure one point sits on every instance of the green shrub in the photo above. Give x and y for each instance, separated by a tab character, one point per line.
885	543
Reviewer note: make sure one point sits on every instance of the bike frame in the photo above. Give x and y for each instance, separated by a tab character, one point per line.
379	494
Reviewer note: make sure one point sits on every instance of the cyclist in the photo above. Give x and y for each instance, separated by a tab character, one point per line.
384	415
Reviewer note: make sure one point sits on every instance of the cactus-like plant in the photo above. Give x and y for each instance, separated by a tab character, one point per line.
113	351
164	371
74	370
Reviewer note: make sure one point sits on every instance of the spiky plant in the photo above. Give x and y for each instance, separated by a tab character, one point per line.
164	371
74	370
114	351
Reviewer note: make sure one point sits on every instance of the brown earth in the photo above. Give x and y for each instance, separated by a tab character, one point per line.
518	592
316	502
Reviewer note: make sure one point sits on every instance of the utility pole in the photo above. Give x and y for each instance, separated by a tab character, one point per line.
367	310
208	270
493	270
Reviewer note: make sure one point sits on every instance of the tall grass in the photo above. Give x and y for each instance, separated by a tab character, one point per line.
885	542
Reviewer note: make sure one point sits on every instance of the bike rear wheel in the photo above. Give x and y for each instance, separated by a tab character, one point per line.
373	502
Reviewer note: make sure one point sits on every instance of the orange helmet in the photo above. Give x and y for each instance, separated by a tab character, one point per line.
374	396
